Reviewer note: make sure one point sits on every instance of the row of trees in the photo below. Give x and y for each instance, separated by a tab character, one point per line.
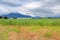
32	18
3	17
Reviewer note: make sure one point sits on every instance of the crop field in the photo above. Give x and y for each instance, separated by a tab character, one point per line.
27	22
29	29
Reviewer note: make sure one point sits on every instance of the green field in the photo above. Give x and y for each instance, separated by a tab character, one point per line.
27	22
30	29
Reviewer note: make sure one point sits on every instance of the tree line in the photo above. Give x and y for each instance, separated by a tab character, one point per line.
3	17
32	18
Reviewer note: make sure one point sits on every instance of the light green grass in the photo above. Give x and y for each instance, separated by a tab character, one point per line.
27	22
35	28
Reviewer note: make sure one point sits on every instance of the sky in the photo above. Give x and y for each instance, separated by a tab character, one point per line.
41	8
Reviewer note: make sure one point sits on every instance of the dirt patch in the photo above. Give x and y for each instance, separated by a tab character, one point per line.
24	34
13	36
55	36
2	29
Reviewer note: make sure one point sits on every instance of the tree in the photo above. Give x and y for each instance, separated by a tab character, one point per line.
1	17
14	18
5	18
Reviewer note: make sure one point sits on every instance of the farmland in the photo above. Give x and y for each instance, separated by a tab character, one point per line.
27	22
29	29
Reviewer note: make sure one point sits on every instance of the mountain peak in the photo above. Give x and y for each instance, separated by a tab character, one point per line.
17	15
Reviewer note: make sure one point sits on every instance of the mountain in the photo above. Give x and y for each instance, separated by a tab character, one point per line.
19	15
16	15
37	17
58	16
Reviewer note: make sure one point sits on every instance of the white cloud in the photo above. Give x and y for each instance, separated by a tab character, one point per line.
46	0
33	5
43	8
55	9
10	2
25	9
3	9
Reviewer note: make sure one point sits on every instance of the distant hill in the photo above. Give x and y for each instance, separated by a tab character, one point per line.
19	15
16	15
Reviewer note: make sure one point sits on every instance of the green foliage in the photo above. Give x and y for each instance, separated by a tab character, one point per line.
27	22
16	29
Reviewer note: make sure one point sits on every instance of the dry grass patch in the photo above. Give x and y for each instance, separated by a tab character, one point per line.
34	33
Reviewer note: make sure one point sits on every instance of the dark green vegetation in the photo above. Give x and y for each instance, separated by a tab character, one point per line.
27	22
3	17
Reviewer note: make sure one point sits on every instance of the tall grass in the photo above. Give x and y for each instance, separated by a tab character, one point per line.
40	22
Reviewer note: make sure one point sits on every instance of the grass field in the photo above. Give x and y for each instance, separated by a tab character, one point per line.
30	29
27	22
